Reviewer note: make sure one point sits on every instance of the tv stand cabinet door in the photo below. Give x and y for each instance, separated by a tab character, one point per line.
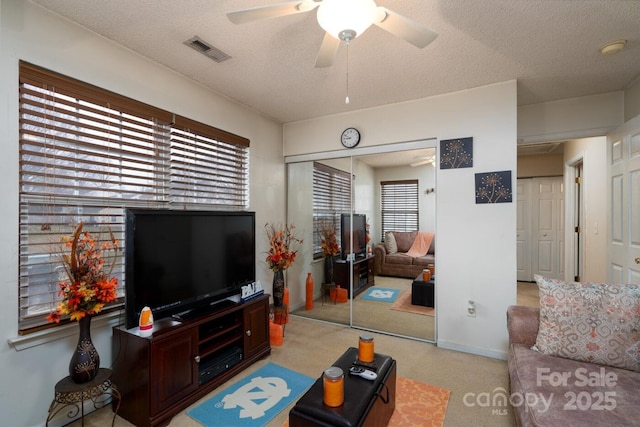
174	370
256	327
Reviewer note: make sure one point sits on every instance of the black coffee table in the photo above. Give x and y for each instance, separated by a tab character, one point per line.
422	291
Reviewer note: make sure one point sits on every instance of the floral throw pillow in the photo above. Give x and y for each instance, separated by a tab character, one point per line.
590	322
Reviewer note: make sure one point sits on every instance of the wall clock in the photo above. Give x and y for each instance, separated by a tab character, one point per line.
350	137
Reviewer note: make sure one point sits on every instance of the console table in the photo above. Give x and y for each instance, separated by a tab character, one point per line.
70	395
182	361
363	275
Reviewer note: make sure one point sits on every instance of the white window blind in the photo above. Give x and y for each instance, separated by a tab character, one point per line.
399	203
86	154
331	197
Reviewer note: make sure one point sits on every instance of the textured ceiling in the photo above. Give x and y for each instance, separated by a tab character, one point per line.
550	46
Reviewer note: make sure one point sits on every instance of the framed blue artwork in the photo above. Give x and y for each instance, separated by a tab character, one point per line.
456	153
494	187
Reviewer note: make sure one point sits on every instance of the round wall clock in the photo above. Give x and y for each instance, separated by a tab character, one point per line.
350	137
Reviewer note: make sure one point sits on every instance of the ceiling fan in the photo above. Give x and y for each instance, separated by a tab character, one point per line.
342	20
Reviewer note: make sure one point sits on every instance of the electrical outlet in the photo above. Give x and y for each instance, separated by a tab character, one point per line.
471	308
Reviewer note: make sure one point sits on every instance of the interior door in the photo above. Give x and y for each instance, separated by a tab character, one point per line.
548	227
523	231
623	155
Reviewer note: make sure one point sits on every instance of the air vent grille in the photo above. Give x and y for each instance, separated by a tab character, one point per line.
207	49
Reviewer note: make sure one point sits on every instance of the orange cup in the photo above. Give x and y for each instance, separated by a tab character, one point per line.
426	275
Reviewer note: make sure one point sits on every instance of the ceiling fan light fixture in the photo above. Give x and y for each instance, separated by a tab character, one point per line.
422	160
346	16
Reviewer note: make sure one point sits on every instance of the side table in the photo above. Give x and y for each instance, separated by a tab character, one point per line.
422	293
72	395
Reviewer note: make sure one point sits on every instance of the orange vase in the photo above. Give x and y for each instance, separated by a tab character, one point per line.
309	300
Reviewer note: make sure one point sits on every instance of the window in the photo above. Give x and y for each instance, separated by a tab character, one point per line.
331	197
86	154
399	203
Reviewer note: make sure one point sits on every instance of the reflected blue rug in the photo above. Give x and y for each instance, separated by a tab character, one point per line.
381	294
254	400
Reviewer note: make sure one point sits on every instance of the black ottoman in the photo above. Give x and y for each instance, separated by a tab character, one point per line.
366	403
422	292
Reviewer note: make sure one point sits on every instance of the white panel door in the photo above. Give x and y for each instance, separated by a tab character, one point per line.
548	227
523	231
623	158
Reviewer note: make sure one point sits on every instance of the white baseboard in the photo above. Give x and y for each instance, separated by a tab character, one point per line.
502	355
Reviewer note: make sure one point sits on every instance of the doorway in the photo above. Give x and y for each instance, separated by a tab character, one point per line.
540	228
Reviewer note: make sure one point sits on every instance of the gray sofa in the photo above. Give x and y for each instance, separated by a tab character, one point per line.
399	264
554	391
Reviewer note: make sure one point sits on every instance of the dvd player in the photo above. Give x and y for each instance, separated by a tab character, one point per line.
214	366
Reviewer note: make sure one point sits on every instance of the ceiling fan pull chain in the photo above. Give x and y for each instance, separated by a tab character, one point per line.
346	101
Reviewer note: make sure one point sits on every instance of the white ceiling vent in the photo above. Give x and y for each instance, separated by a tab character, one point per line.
207	49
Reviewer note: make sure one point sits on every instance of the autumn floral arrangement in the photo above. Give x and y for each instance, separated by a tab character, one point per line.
283	246
367	235
89	286
328	240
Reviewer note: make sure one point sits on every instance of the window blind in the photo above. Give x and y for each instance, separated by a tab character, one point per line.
87	154
399	206
207	172
331	197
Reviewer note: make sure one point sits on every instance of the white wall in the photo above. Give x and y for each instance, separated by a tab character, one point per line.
29	33
476	244
593	154
582	117
632	100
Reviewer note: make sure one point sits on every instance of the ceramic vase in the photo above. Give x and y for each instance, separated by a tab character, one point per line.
309	293
85	361
328	269
278	288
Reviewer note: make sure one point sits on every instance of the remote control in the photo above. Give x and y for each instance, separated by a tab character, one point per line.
364	373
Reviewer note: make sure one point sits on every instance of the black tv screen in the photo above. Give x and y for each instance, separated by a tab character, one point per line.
176	261
356	236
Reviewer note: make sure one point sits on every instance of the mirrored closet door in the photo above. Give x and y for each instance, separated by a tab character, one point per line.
341	198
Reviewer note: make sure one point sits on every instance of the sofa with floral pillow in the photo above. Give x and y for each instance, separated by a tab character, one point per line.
575	361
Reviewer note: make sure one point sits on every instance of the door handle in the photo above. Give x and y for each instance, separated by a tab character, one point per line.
637	260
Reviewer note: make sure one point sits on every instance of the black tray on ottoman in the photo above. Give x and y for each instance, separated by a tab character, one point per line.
366	403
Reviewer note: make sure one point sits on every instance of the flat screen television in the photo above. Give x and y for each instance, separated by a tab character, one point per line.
358	232
180	261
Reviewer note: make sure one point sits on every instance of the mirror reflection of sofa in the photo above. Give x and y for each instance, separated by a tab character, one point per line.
393	260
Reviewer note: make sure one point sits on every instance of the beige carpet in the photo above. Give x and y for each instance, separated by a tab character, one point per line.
376	315
403	303
310	347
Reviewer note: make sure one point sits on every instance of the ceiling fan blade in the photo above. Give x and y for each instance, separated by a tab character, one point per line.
327	51
405	28
272	11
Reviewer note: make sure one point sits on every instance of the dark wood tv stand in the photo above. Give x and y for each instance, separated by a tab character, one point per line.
160	375
363	274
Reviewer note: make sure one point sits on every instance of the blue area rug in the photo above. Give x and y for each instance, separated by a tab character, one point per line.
254	400
381	294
